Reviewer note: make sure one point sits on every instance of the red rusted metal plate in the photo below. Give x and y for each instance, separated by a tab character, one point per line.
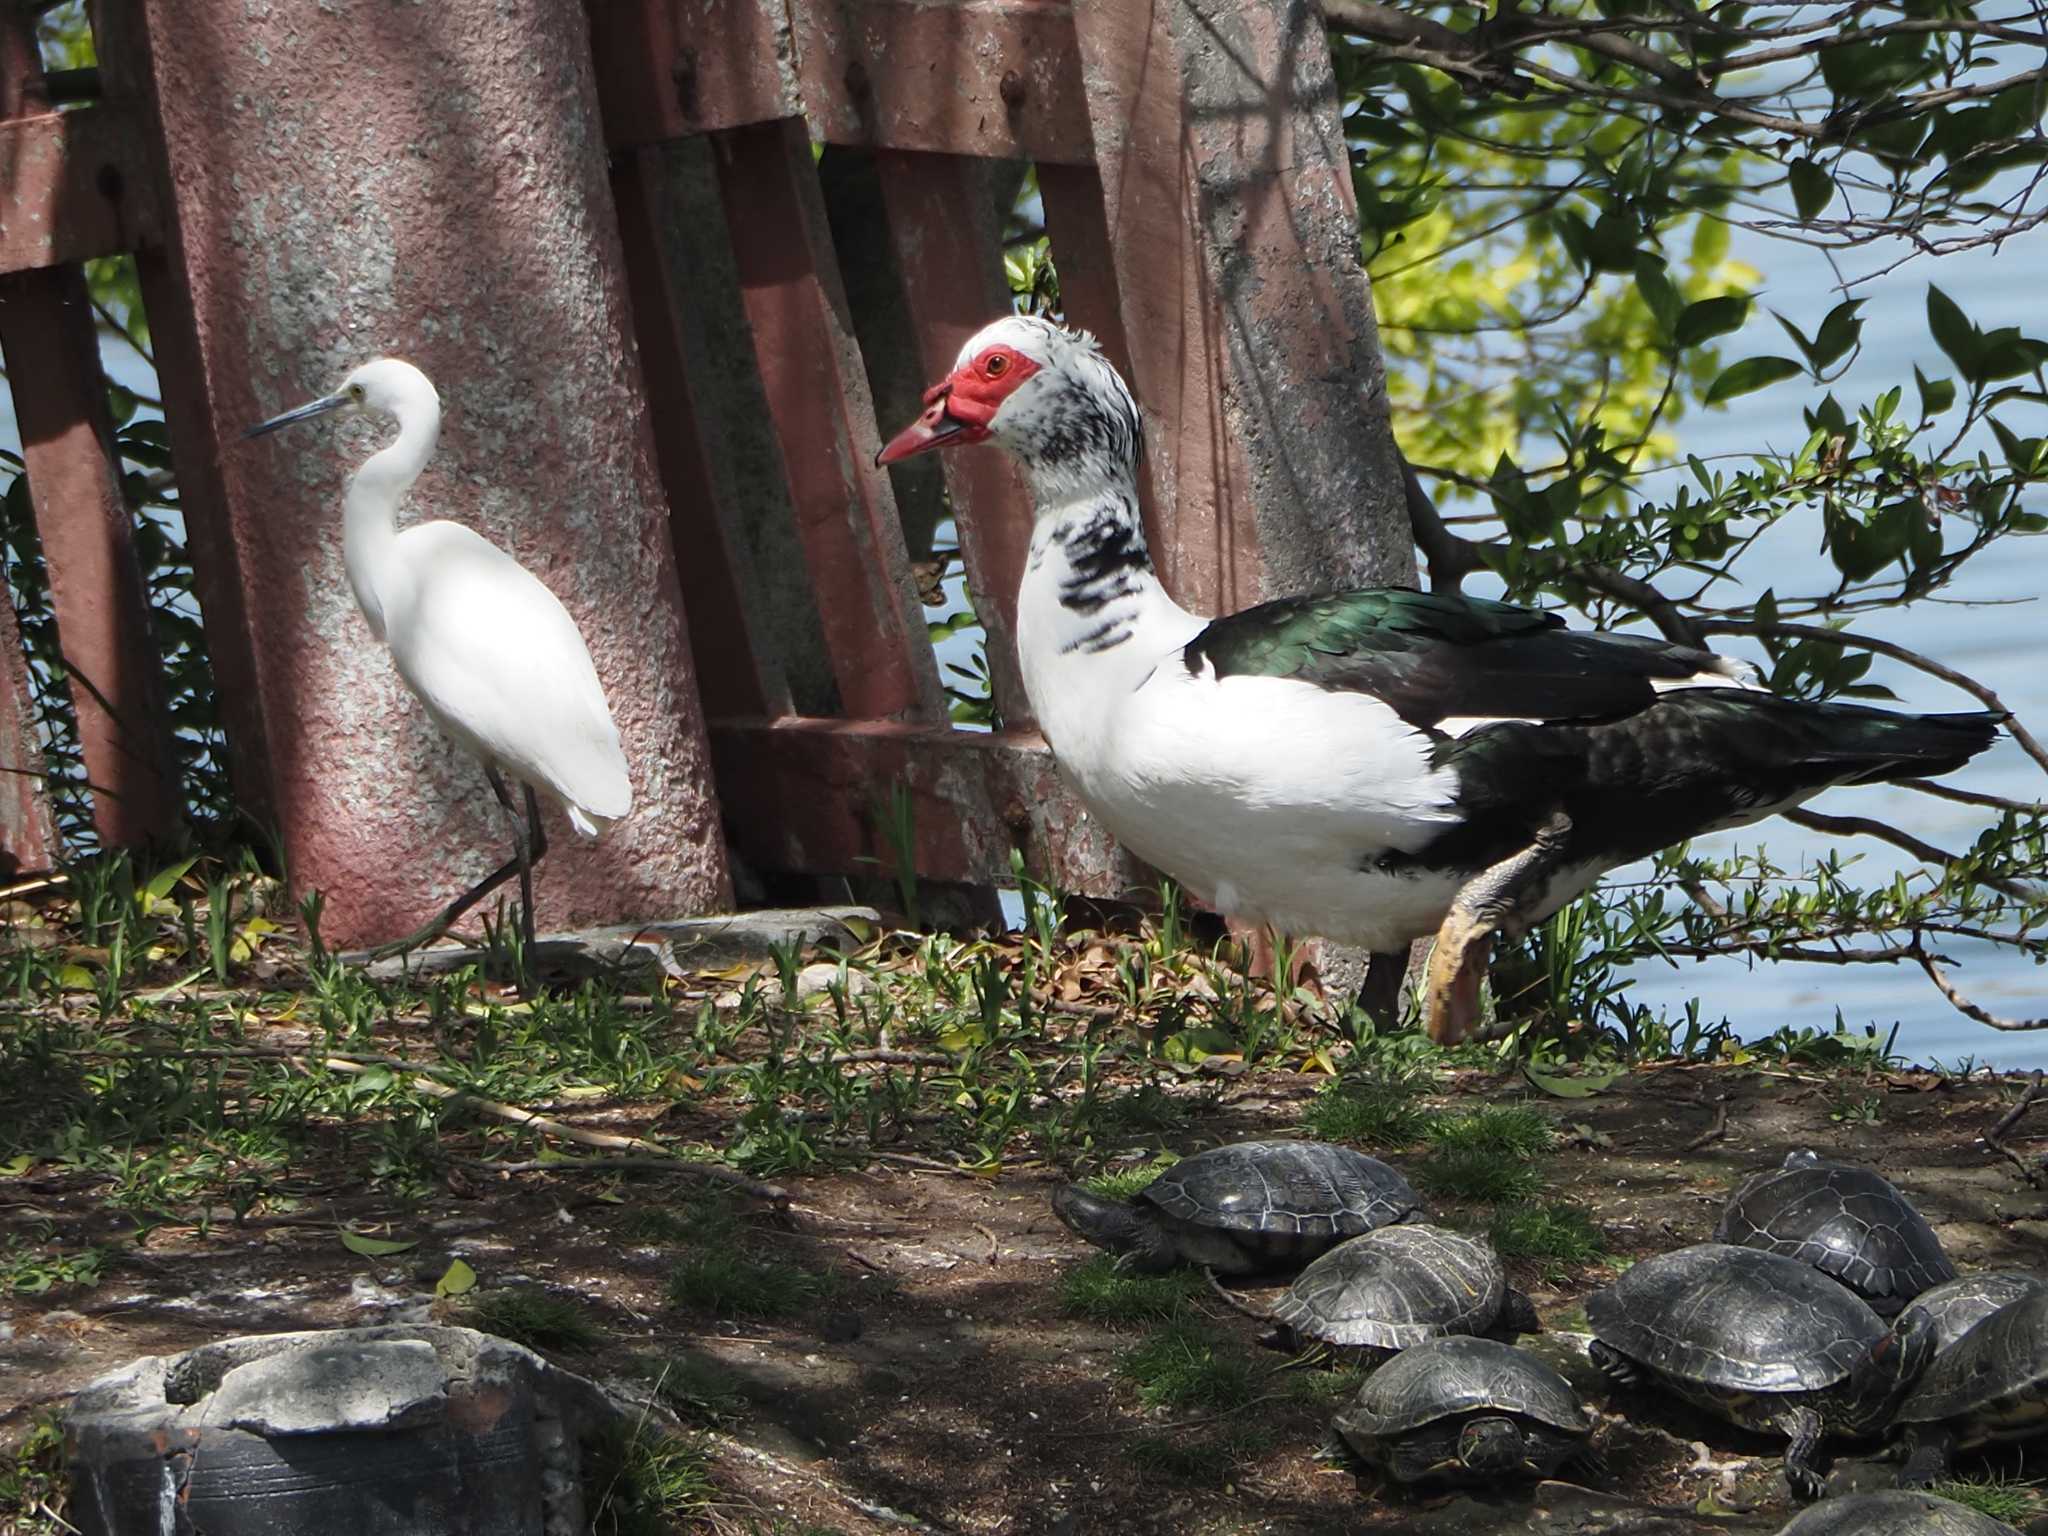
435	185
942	223
998	79
73	185
730	678
814	795
818	396
670	68
88	537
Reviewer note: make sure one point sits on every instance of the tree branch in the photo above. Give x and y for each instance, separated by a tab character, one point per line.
1961	1003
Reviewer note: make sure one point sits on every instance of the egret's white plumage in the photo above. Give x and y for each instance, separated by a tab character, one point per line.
478	638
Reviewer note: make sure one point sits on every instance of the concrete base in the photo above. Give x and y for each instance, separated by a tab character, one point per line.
397	1431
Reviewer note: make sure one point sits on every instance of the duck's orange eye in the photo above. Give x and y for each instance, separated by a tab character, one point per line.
995	366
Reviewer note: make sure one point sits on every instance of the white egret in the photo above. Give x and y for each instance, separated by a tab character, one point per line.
481	642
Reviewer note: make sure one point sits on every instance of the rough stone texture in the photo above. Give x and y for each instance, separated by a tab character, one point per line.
394	1431
354	177
704	943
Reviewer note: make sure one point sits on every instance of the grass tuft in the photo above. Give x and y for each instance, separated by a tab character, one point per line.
1122	1183
33	1485
1475	1173
1204	1459
1102	1293
1179	1367
649	1481
528	1315
1507	1129
1554	1233
1370	1113
2008	1499
729	1284
695	1389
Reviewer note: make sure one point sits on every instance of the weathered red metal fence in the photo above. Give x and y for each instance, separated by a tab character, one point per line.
567	216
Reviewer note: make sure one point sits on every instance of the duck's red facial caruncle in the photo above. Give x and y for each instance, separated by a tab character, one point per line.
959	408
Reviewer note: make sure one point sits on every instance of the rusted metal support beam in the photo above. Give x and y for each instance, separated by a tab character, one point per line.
998	79
815	795
732	676
942	222
97	593
28	835
350	184
73	185
818	397
1245	309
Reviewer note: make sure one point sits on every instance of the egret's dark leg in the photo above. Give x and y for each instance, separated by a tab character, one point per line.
1379	998
531	844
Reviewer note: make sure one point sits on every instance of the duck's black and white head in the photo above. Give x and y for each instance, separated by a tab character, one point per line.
1047	394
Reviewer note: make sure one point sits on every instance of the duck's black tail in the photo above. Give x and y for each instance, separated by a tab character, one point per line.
1871	746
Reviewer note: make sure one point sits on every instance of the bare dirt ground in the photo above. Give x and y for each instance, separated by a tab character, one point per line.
939	1382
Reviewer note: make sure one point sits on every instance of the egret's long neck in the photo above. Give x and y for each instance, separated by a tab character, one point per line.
369	545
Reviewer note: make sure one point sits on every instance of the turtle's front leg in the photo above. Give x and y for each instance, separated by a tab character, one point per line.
1457	963
1803	1426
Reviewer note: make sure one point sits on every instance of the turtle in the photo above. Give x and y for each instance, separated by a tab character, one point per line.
1991	1385
1761	1339
1845	1221
1394	1287
1957	1306
1244	1207
1465	1410
1894	1512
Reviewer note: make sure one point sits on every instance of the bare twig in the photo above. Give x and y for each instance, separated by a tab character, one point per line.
1714	1132
1961	1003
1884	832
770	1194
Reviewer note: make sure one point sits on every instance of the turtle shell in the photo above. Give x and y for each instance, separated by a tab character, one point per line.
1956	1306
1845	1221
1295	1197
1894	1512
1736	1319
1411	1414
1449	1377
1995	1376
1394	1287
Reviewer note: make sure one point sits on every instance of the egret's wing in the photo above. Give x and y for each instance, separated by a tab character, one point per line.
496	658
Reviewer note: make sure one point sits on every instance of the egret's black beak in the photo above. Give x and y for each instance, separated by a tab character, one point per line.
311	408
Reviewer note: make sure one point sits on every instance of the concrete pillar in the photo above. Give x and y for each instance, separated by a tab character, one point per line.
354	178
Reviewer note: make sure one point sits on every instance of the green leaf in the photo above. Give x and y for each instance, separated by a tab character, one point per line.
160	883
1612	245
375	1247
1812	188
1936	395
1953	332
1658	292
1583	1086
1751	373
456	1280
1837	334
1711	317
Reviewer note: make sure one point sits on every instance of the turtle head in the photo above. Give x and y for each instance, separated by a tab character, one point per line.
1517	1314
1891	1369
1122	1228
1491	1446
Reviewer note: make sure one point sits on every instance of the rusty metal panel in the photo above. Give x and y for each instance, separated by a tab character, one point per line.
1243	302
942	222
813	795
73	185
999	79
88	535
818	397
731	678
351	181
670	68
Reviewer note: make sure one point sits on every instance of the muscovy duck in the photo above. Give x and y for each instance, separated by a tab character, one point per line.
1378	765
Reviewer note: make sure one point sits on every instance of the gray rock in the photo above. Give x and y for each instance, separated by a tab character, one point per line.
407	1430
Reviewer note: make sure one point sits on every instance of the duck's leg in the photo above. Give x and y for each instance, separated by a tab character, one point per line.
1379	997
1457	963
